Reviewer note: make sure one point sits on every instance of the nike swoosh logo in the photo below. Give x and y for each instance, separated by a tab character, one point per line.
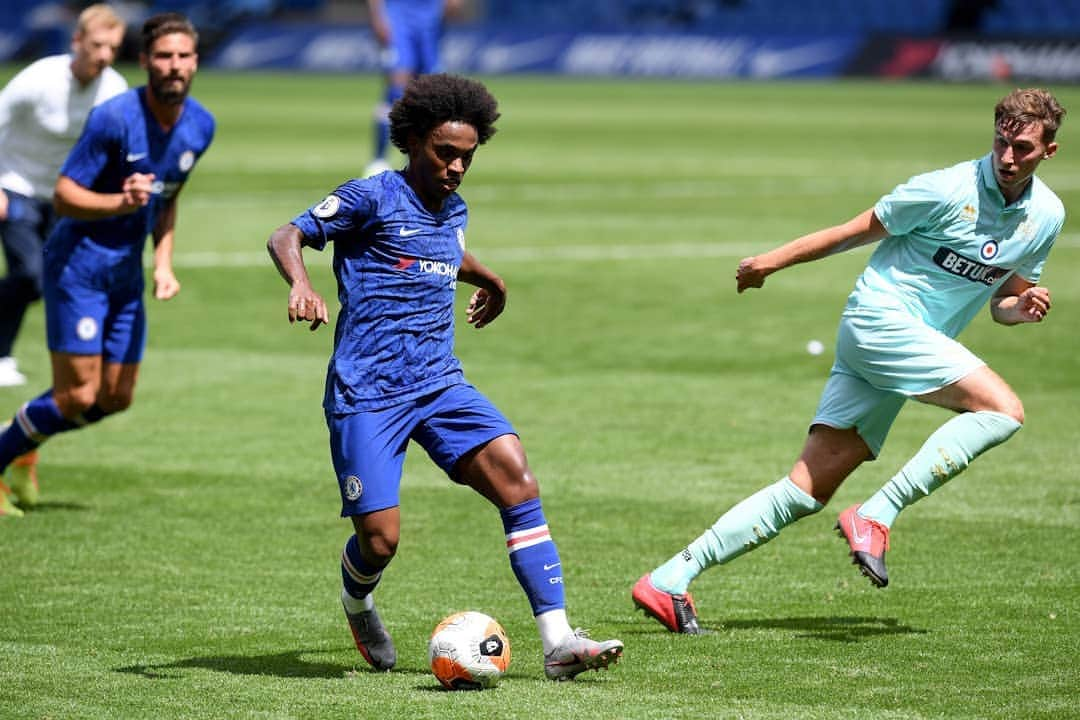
859	539
548	567
132	157
767	62
406	233
499	58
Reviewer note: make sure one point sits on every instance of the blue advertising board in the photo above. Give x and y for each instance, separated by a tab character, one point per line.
353	49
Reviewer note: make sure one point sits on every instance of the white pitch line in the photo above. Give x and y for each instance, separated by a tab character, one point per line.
557	253
743	182
560	253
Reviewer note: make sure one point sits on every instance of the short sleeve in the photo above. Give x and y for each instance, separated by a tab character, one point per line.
1032	267
91	153
911	205
341	213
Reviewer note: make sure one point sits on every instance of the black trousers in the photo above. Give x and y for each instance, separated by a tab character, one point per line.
23	235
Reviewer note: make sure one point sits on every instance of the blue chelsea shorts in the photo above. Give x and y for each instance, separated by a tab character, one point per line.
94	302
368	448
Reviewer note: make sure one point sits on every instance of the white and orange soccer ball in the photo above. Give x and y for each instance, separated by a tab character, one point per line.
469	651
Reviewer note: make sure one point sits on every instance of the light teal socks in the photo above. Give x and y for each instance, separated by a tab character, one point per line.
943	456
749	524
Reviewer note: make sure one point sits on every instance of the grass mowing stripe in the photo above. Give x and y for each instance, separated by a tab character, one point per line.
557	253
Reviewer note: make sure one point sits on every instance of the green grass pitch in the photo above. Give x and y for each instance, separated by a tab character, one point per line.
184	562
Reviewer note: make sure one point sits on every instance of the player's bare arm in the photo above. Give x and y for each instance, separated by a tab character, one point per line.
286	248
1019	301
488	302
863	229
74	200
166	286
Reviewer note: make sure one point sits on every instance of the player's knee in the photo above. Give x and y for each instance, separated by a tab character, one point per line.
379	549
116	401
1010	405
521	481
1016	412
514	488
821	492
73	402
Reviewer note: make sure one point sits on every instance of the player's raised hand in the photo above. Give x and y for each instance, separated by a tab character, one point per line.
484	306
166	286
306	305
136	190
749	275
1033	304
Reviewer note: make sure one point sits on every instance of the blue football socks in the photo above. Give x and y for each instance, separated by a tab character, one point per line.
357	576
533	556
34	423
944	455
749	524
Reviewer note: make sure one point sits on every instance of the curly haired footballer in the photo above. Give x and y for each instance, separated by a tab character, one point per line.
399	256
431	100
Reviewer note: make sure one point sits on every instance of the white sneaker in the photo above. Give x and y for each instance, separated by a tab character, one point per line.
577	653
9	373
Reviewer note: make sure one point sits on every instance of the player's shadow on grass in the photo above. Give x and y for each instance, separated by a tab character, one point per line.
837	629
49	506
288	664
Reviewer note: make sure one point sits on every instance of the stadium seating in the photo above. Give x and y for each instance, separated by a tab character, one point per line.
1009	18
1043	17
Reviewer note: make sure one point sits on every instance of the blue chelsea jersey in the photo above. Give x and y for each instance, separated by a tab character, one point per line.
953	240
120	138
396	265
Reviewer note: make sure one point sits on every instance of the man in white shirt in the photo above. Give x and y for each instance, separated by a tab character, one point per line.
42	113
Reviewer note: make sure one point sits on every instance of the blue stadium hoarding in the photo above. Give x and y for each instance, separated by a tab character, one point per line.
492	49
654	54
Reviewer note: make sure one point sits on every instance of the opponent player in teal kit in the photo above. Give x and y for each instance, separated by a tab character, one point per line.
118	185
399	250
951	240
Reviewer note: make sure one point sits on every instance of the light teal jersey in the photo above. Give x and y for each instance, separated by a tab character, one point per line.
952	241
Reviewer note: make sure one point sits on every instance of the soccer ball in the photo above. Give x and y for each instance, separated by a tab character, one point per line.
469	651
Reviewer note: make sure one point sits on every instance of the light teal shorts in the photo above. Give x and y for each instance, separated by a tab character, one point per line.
883	357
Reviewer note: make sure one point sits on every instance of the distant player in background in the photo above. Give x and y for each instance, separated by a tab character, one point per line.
951	240
399	251
119	184
42	111
408	31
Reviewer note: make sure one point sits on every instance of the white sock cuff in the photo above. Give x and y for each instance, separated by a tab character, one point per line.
553	627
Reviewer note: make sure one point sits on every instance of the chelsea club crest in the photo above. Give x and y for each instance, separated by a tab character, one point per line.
353	488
